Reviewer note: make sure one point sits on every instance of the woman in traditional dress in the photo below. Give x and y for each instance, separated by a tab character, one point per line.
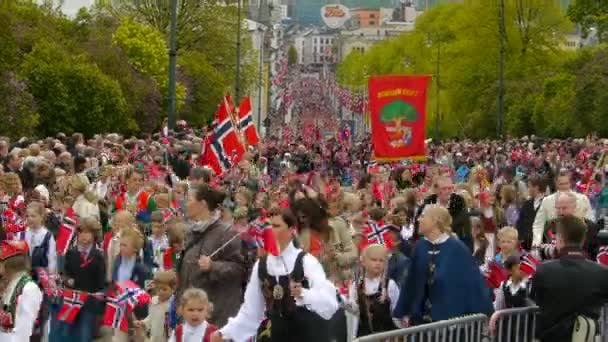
444	281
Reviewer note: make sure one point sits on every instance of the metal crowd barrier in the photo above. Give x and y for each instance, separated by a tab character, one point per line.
464	329
514	325
508	325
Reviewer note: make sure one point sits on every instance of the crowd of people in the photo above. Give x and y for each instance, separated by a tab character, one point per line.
135	239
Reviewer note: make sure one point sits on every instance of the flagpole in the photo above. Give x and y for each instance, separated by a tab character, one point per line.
237	90
261	67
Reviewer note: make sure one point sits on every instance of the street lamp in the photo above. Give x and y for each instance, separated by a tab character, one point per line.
429	44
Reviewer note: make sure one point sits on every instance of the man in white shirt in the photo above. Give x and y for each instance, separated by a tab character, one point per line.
547	211
299	308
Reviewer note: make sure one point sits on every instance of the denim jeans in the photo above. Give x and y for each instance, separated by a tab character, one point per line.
81	330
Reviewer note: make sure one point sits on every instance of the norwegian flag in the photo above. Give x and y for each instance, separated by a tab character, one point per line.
528	263
223	148
132	295
376	233
495	275
115	315
602	256
67	231
72	303
261	231
246	123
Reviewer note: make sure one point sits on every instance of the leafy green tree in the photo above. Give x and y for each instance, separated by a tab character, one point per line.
590	14
144	46
461	42
18	110
73	95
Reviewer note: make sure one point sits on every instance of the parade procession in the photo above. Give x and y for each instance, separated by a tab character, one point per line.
304	170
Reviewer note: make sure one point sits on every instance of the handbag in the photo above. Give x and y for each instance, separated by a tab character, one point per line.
585	329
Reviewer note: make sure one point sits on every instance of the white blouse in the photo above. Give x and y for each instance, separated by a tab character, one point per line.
35	238
26	312
319	298
371	287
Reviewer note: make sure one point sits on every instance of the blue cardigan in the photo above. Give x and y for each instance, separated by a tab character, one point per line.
458	287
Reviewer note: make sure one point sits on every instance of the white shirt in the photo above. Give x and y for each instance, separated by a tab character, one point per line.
84	208
547	212
371	287
125	269
500	303
192	334
26	312
35	238
158	248
319	298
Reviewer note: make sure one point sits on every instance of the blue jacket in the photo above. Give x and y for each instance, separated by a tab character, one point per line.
458	287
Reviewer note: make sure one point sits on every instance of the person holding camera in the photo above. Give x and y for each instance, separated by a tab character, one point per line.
563	302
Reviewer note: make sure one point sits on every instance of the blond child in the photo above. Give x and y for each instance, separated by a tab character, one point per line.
122	220
40	241
128	267
164	286
194	308
373	297
508	243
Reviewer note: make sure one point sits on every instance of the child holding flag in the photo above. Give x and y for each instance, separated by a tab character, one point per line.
84	272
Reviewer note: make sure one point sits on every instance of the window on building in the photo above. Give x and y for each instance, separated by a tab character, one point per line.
372	23
372	15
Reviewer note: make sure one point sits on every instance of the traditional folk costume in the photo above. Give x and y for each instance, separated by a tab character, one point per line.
187	333
268	295
443	282
21	301
374	299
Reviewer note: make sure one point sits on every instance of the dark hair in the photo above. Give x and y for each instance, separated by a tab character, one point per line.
537	181
287	215
316	212
572	230
511	262
213	197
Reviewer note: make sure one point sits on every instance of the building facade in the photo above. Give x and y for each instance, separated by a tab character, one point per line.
366	18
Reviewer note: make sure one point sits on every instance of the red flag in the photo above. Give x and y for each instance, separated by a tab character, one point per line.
67	231
246	124
132	295
602	256
398	115
115	315
72	303
226	131
261	230
376	233
528	264
213	156
495	275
